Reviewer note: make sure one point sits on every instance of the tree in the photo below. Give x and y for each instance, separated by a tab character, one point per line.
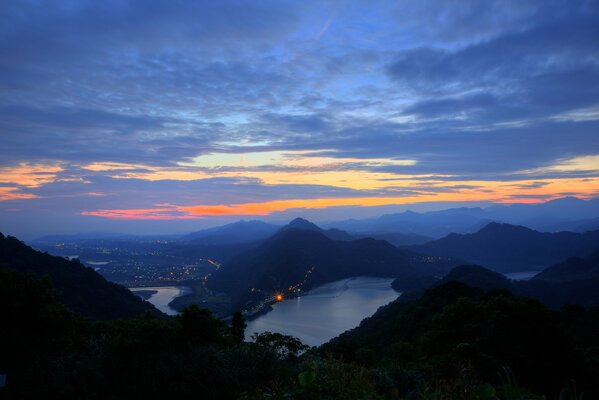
238	326
199	327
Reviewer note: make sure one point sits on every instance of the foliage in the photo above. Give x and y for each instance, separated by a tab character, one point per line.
454	343
238	326
82	289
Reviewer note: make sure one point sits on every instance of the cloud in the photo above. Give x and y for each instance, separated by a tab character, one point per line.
29	175
227	103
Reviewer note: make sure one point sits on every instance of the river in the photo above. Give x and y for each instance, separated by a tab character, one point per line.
163	296
327	310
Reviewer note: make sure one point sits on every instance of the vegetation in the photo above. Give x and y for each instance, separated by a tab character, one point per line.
574	281
82	289
460	342
454	343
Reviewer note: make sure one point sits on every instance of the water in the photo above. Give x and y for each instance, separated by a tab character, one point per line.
521	276
327	310
164	295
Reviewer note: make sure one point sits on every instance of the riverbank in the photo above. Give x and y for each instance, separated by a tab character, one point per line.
325	311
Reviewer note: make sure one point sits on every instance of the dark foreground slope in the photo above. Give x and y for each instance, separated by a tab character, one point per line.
302	258
80	288
510	248
455	343
467	339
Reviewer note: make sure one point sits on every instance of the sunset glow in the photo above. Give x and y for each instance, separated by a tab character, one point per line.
182	122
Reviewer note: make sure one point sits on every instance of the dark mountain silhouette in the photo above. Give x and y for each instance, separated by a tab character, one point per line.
395	238
303	224
574	281
80	288
237	232
300	258
573	269
479	277
510	248
453	325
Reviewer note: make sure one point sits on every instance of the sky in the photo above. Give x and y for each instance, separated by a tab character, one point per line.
148	116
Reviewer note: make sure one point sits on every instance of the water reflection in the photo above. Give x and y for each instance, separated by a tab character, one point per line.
326	311
163	296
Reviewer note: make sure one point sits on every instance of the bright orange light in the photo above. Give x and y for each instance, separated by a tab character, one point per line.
279	297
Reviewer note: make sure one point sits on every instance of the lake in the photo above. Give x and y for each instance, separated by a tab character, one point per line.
327	310
164	295
521	276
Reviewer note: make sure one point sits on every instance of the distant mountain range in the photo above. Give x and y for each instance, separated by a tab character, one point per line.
564	214
237	232
509	248
301	255
80	288
400	229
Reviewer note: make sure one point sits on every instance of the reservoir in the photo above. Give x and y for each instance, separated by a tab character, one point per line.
163	295
522	276
327	310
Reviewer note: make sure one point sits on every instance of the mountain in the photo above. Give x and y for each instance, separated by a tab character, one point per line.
81	289
565	208
237	232
563	214
574	281
573	269
479	277
493	337
431	224
509	248
301	258
303	224
395	238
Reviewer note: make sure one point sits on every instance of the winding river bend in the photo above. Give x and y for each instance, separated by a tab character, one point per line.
163	295
327	310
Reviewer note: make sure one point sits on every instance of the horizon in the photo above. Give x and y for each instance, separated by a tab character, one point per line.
420	208
135	116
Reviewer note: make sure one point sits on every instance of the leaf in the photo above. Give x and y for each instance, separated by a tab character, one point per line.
306	378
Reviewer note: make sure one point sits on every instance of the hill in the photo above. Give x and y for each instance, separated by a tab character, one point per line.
434	224
81	289
395	238
574	281
457	332
562	214
510	248
237	232
297	258
573	269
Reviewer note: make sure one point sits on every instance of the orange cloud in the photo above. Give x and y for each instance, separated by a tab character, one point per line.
30	175
12	193
163	213
499	192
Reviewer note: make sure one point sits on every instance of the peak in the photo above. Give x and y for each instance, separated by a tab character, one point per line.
565	200
300	223
498	226
477	276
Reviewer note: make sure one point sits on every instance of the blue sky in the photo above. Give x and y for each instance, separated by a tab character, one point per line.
172	115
